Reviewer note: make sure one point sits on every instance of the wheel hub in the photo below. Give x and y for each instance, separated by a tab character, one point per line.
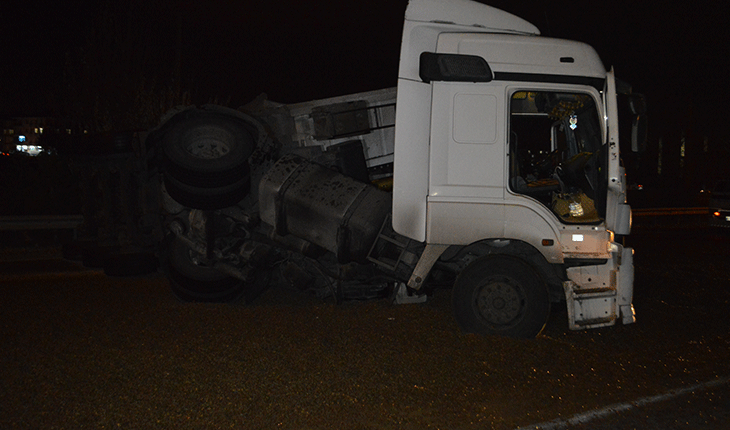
208	149
499	302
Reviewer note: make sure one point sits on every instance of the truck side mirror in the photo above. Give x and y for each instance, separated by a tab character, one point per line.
639	132
637	104
453	68
639	127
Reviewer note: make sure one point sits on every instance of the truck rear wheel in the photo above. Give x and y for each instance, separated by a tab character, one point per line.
207	198
194	282
501	295
207	149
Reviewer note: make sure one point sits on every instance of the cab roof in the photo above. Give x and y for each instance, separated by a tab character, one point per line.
467	13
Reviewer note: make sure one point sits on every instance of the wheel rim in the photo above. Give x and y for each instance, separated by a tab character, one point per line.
500	302
208	149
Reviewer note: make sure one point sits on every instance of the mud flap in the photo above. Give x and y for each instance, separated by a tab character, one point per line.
402	296
626	287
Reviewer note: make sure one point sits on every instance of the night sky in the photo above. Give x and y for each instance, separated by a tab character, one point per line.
674	52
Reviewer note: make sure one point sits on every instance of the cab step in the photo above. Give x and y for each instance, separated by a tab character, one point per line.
389	248
590	307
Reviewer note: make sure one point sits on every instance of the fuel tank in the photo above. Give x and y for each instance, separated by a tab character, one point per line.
327	208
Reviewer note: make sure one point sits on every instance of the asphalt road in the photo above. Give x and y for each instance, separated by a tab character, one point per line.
81	350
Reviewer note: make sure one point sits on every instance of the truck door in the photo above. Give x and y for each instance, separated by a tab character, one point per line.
618	213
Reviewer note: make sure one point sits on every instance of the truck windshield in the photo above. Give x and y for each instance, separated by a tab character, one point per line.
556	152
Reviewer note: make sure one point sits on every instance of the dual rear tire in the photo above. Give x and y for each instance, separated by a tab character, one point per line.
192	281
205	164
205	159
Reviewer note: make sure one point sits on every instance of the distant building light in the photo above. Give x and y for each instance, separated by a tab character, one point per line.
21	138
29	149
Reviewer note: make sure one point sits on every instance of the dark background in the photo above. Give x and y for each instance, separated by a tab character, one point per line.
102	64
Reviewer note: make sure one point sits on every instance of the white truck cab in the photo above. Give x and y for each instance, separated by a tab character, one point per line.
503	135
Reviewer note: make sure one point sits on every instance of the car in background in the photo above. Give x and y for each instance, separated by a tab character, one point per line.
719	205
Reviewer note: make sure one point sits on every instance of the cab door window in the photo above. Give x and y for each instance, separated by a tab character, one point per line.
556	153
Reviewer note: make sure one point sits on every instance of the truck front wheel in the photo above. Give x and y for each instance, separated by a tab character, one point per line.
501	295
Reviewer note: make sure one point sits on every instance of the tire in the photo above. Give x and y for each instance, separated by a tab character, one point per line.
207	198
130	264
191	282
501	295
207	150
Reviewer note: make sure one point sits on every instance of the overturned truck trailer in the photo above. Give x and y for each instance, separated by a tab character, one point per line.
493	168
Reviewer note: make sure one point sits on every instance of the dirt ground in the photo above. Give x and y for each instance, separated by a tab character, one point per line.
81	350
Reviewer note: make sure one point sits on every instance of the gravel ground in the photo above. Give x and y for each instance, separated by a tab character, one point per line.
81	350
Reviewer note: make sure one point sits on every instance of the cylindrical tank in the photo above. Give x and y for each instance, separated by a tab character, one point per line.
319	205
